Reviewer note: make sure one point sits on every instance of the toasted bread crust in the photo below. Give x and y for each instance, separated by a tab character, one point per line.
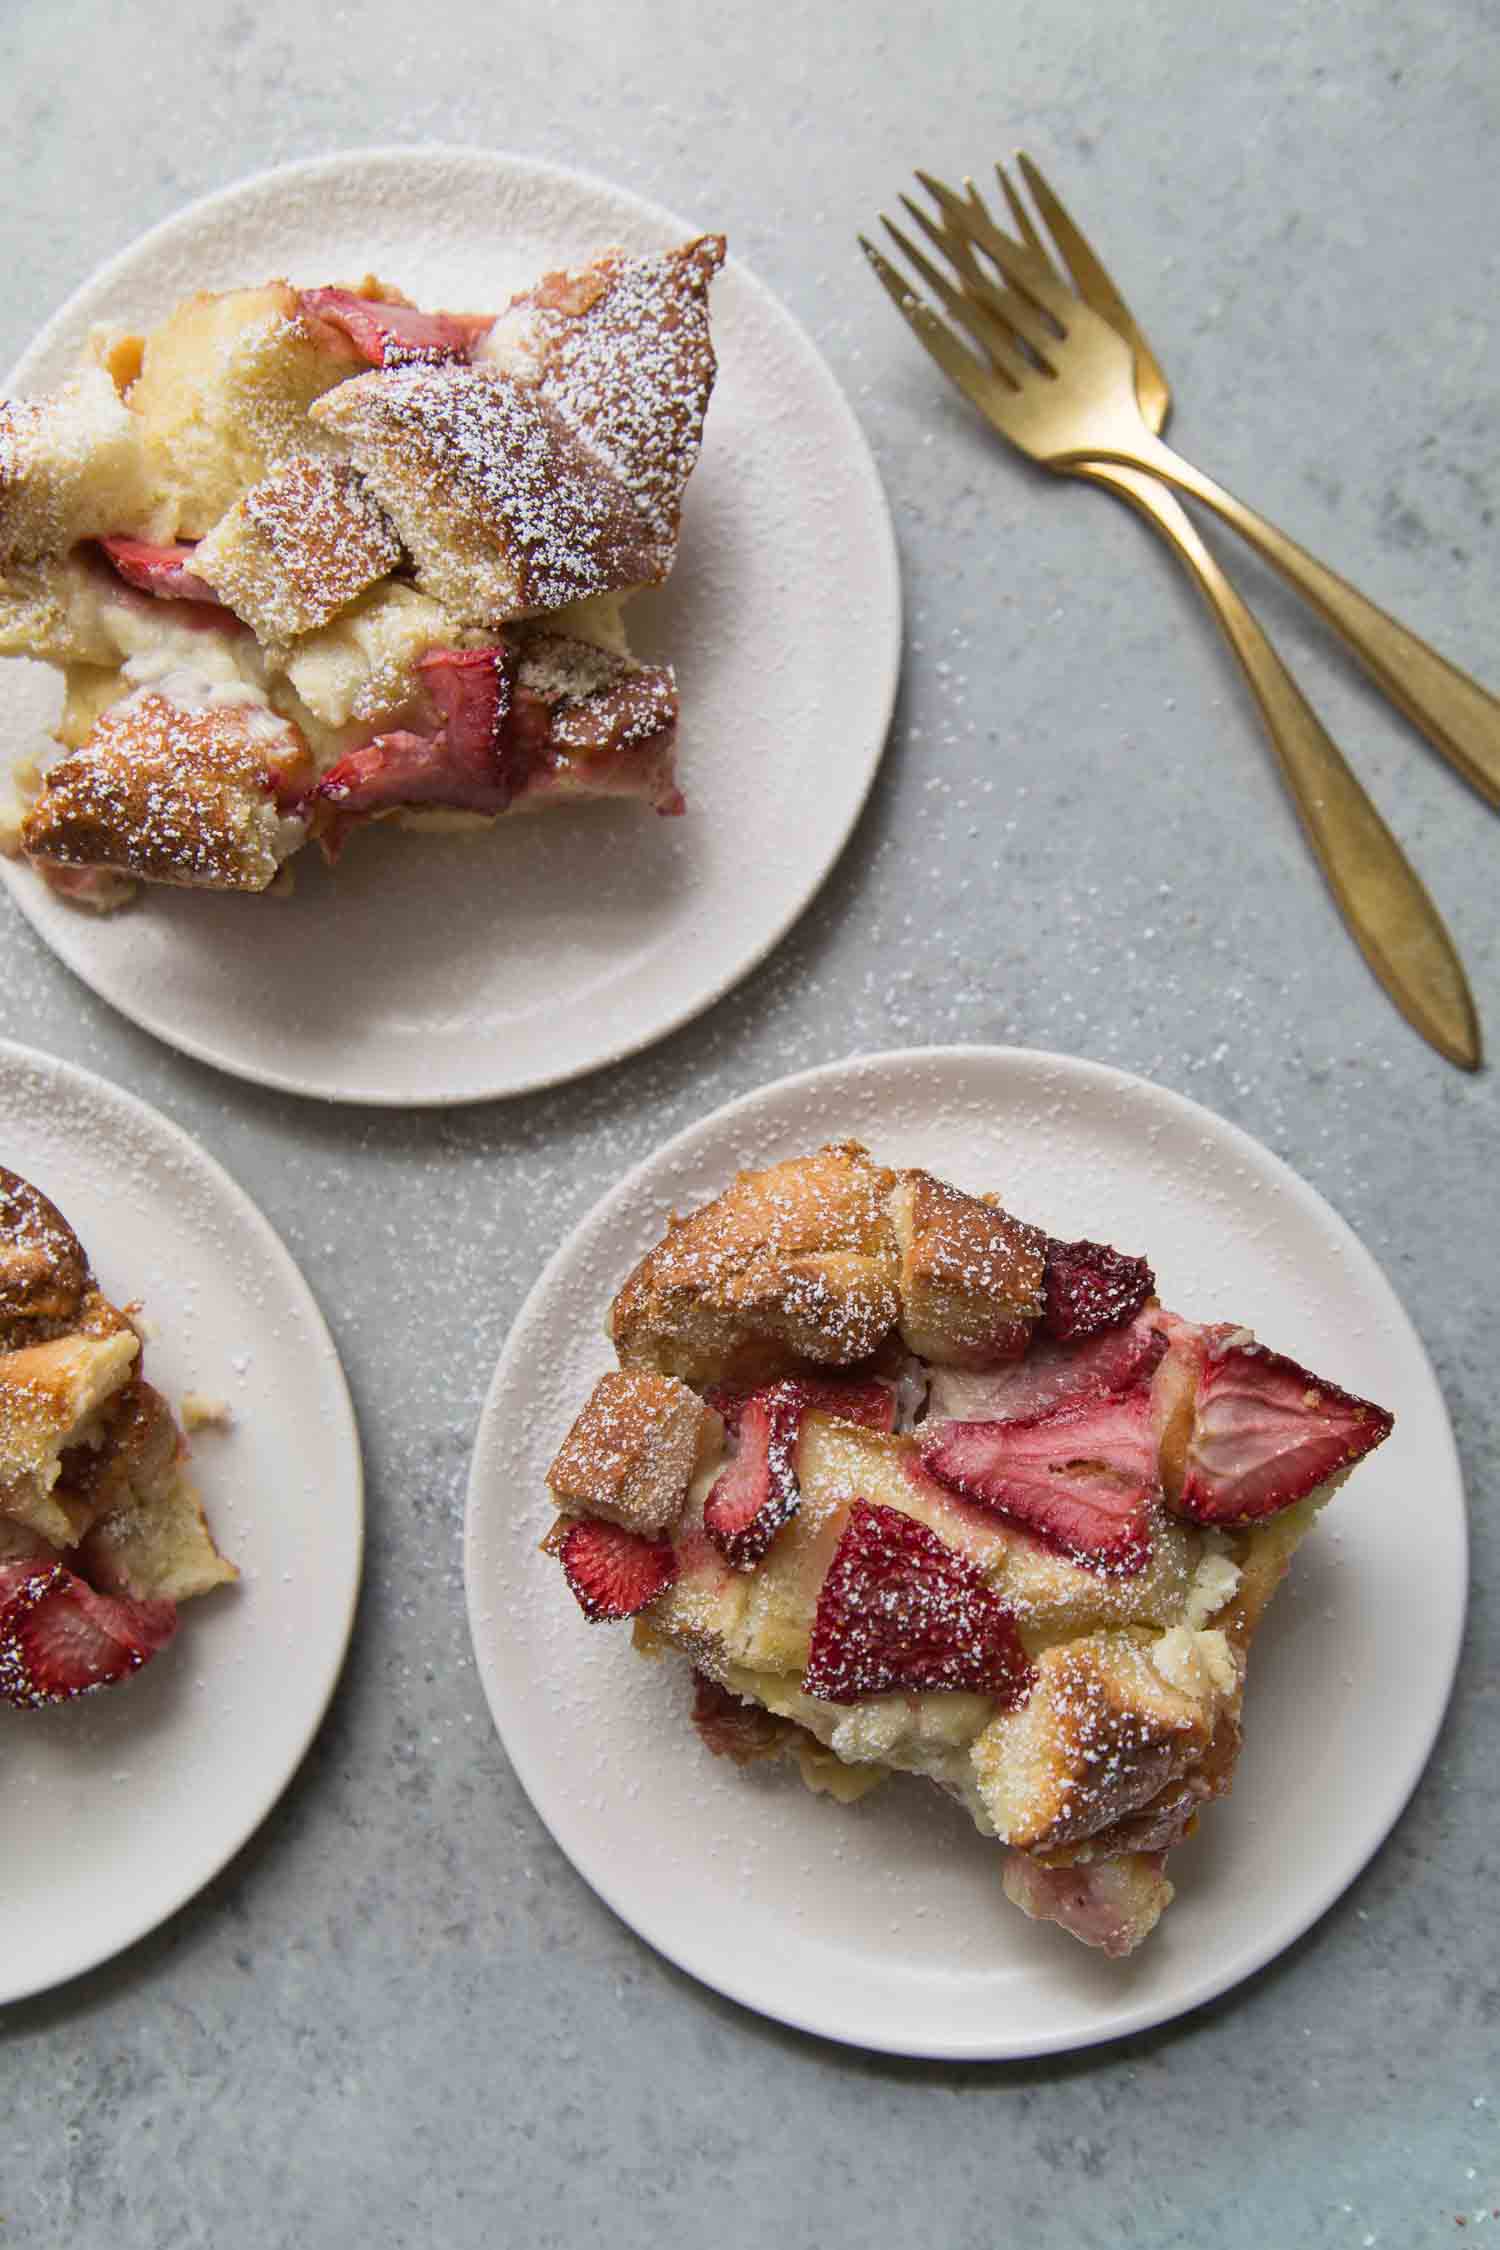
971	1275
631	1454
43	1270
299	547
790	1264
171	792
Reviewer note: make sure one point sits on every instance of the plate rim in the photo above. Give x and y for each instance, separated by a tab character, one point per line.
1236	1967
860	455
191	1154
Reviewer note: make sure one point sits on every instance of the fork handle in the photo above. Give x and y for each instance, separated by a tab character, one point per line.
1455	713
1382	898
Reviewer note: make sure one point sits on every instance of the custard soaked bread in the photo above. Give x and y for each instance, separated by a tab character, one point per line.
916	1487
102	1533
313	557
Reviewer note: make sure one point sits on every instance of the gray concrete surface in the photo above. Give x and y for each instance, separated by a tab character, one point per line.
399	2017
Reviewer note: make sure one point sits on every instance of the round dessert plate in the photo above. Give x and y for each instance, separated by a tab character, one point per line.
884	1924
432	969
119	1806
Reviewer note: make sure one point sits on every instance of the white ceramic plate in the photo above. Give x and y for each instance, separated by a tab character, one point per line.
117	1808
443	969
884	1924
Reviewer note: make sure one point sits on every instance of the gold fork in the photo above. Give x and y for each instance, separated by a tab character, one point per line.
1383	900
1094	412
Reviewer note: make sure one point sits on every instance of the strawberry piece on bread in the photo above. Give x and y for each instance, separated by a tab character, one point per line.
1266	1433
1087	1286
900	1611
59	1639
614	1572
165	571
395	335
1081	1479
758	1492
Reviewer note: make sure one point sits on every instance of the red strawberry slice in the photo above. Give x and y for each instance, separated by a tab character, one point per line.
1050	1375
59	1639
901	1611
759	1492
856	1398
471	762
389	335
1081	1478
614	1572
1087	1286
1265	1433
870	1403
162	571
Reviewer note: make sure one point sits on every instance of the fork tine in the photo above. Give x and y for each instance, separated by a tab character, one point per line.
1015	318
1027	270
1094	284
975	380
1019	214
953	247
987	331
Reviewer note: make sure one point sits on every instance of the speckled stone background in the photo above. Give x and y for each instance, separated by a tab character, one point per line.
399	2016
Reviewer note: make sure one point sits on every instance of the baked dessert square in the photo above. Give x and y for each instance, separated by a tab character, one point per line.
102	1532
309	558
915	1487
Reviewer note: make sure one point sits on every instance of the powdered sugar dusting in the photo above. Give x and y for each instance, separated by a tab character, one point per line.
513	985
623	350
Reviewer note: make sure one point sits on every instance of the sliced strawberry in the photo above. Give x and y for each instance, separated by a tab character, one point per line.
1087	1287
614	1572
1081	1478
1265	1433
759	1492
901	1611
732	1729
1050	1375
59	1639
856	1398
389	335
468	763
162	571
870	1403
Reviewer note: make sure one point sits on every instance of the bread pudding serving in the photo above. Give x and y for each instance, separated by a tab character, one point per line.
101	1531
915	1487
308	558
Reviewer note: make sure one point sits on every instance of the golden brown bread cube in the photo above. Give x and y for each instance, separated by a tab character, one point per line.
52	1396
632	1452
300	546
172	792
971	1276
148	1537
72	466
502	506
43	1271
223	396
1102	1732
